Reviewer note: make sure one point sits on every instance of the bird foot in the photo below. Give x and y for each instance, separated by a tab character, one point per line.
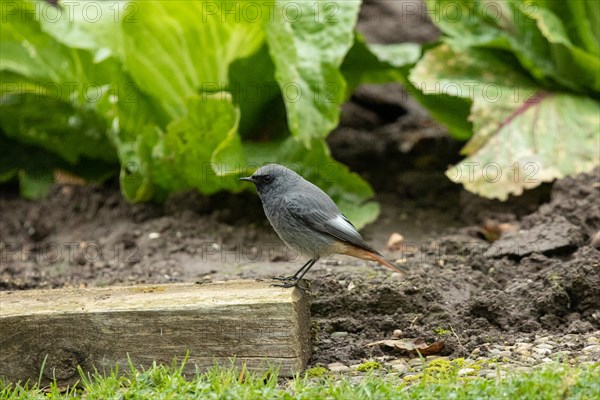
285	278
286	285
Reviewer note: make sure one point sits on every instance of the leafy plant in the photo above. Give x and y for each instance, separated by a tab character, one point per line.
528	74
192	94
182	94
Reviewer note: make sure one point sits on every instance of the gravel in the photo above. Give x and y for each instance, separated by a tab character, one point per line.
493	360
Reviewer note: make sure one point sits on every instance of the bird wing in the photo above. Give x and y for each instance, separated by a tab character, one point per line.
321	214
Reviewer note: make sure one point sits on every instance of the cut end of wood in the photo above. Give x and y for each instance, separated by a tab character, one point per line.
237	321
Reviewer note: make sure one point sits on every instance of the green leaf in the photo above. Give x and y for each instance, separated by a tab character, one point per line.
550	137
376	63
254	89
516	124
349	191
57	126
200	150
453	75
171	80
93	26
570	65
180	48
581	20
533	33
26	50
37	186
308	42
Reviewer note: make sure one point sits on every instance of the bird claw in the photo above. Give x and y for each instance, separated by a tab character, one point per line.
285	285
285	278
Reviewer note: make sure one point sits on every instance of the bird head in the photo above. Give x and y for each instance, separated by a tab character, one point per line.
273	179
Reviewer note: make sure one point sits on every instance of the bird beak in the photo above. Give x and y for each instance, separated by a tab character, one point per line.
248	178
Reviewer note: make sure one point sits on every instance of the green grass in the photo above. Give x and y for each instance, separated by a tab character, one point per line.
554	381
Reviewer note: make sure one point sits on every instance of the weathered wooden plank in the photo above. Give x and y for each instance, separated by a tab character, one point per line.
98	327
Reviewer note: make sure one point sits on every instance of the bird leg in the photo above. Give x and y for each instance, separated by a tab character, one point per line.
292	277
293	280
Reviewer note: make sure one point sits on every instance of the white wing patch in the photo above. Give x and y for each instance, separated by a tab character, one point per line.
342	224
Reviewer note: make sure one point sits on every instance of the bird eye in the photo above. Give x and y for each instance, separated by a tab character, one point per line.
268	178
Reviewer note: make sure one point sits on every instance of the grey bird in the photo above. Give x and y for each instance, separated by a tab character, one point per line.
308	220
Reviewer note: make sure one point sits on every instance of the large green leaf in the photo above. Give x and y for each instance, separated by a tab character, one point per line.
49	91
375	63
457	75
56	126
25	50
89	25
519	130
170	80
180	48
534	34
308	42
555	136
200	150
581	19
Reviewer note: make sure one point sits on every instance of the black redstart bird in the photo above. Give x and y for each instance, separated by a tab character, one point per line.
307	220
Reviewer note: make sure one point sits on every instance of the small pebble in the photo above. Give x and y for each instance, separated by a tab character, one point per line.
401	368
339	334
465	371
415	362
395	242
153	235
523	352
595	242
522	345
545	346
338	367
541	352
595	348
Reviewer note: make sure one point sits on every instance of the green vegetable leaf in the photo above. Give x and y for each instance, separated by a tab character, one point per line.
519	129
202	149
308	42
93	26
534	34
377	63
550	137
37	186
182	47
465	76
163	87
56	126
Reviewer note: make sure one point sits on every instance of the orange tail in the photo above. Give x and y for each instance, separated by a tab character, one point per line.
368	255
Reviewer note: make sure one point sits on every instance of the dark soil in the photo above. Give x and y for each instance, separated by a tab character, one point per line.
543	277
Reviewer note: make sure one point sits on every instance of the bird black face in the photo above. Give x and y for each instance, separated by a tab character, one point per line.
263	182
272	179
260	180
265	179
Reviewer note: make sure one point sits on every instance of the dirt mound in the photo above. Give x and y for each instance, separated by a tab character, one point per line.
463	293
